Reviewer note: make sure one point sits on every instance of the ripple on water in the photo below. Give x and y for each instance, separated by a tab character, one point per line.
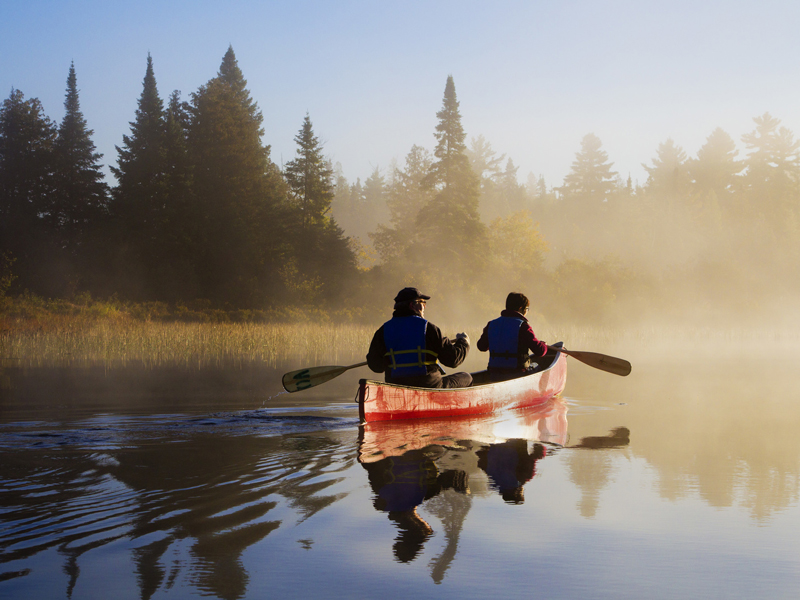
183	479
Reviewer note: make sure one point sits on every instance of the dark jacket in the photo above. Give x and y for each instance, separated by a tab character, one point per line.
527	340
451	353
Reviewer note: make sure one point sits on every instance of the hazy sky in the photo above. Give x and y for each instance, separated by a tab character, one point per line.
532	77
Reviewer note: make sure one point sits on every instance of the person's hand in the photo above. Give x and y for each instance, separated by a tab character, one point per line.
463	336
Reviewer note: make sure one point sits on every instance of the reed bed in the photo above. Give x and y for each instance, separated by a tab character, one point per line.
190	345
117	343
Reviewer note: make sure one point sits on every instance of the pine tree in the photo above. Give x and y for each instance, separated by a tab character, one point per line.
174	271
345	204
375	209
310	178
483	159
773	162
406	194
81	196
238	193
322	251
449	226
141	167
27	140
178	173
715	178
591	179
488	167
716	168
140	196
668	175
452	164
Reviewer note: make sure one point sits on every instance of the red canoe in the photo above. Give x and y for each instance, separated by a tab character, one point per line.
380	401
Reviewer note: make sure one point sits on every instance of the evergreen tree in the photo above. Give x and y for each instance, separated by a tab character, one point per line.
452	164
376	211
513	193
322	251
584	215
716	168
175	277
141	166
487	166
406	194
310	178
240	240
27	140
591	179
714	176
81	194
772	177
176	154
483	159
140	196
668	175
348	201
342	205
449	226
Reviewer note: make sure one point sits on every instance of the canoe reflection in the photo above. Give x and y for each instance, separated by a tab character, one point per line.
441	462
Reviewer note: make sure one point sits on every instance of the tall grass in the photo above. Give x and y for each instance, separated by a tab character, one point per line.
193	345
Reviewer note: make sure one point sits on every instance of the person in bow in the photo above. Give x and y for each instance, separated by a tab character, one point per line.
408	348
510	340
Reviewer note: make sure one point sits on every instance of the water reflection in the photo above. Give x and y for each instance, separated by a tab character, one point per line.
434	461
442	463
591	473
186	500
264	504
510	466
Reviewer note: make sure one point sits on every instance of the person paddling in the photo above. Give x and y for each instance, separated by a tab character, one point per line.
510	340
408	348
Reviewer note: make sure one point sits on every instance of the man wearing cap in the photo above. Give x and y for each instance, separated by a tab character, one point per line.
407	348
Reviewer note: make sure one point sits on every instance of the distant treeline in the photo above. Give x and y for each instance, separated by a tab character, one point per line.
200	213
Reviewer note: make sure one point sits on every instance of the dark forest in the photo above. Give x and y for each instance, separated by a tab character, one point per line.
202	217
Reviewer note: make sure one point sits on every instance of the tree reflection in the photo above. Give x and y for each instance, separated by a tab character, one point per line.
591	472
198	493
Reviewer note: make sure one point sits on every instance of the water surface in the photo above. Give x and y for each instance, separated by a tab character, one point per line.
680	481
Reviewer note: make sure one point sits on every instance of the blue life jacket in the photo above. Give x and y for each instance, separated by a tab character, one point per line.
405	344
504	343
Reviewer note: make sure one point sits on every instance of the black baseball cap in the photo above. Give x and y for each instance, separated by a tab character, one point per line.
410	293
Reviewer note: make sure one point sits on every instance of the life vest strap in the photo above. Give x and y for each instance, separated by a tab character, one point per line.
418	351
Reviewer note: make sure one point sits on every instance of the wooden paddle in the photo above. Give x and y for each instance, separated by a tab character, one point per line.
611	364
303	379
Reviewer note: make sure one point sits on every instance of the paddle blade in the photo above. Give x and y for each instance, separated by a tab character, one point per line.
610	364
303	379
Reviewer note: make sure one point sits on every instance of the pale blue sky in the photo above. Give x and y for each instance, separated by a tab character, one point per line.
532	77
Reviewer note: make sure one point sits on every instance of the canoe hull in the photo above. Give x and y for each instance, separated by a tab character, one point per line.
380	401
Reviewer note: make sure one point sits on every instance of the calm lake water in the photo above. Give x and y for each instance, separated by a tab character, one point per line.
679	481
